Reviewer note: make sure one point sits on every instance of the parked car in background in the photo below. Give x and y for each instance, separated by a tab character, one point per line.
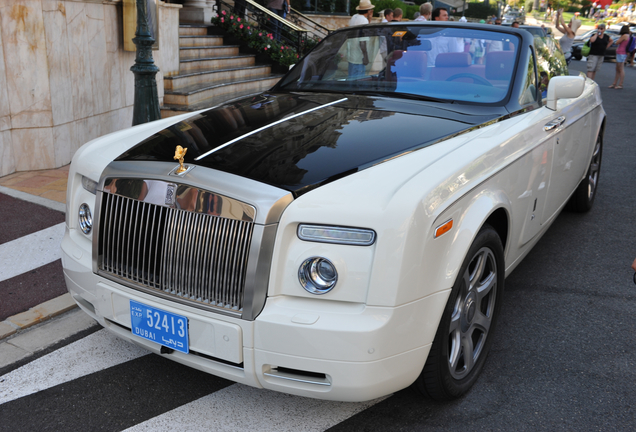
610	53
514	15
348	232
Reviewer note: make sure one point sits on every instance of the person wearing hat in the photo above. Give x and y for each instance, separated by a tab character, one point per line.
358	55
569	32
364	15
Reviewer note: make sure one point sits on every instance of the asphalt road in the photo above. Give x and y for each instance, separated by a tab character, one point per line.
563	358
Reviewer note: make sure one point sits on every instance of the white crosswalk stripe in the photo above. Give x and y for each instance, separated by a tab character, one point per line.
31	251
261	410
91	354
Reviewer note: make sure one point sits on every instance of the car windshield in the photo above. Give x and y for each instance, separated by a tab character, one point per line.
423	62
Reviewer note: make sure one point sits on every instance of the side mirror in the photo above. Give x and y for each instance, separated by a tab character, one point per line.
564	87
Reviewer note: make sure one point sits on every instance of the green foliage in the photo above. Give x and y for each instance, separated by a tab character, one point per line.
408	10
480	10
529	6
258	40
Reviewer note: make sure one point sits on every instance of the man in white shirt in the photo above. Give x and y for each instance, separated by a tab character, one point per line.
426	9
358	56
443	44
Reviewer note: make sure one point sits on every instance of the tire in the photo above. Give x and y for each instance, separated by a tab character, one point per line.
465	332
583	197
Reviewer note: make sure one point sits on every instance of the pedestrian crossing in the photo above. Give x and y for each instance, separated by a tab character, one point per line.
31	251
79	368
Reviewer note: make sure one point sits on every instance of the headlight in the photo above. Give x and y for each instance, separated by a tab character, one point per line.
317	275
338	235
85	218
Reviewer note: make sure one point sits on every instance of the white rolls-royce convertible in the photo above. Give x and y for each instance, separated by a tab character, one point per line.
347	233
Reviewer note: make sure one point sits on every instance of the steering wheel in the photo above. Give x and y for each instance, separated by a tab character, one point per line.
475	78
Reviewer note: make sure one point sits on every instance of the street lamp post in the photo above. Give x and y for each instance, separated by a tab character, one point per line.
146	107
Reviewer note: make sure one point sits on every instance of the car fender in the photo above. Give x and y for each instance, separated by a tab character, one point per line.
469	214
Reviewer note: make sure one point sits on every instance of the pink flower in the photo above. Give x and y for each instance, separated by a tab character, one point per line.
265	48
248	27
260	34
231	16
241	26
238	19
223	12
222	19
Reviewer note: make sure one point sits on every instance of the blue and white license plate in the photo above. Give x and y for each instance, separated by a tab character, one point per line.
164	328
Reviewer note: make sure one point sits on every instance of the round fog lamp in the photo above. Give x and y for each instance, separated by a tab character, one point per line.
85	218
317	275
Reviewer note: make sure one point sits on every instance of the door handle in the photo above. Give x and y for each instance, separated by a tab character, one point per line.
554	124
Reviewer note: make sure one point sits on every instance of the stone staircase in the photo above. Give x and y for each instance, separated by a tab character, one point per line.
211	72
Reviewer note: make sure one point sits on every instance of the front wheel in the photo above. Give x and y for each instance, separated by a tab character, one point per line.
464	335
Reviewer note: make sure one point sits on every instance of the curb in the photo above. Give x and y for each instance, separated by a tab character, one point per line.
37	314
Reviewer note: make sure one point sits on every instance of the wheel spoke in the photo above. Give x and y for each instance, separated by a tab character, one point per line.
480	322
454	350
479	270
468	352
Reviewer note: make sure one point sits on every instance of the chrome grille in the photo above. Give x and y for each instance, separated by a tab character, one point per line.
194	256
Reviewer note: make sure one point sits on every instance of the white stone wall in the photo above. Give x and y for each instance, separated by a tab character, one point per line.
65	78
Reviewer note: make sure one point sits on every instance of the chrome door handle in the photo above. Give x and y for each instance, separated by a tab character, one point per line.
554	124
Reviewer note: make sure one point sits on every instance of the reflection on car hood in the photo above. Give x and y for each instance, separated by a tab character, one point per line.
300	141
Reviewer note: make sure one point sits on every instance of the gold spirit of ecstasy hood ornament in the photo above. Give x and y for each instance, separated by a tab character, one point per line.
179	154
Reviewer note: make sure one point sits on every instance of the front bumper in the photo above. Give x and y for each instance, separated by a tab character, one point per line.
314	348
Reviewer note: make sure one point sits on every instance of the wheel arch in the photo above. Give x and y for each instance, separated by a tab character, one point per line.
470	214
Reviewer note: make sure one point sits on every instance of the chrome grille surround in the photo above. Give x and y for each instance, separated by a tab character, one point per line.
183	243
193	254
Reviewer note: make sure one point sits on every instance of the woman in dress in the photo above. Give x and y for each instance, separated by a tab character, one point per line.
621	56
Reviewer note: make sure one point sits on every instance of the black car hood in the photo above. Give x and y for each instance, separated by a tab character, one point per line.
298	142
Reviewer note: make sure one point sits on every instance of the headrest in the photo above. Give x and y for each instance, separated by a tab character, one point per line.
456	59
499	65
408	63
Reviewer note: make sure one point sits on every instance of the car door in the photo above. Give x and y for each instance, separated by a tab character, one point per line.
569	132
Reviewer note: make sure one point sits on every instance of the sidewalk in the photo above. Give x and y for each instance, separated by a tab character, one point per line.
46	188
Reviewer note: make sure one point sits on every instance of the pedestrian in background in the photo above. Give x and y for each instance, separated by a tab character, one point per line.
621	56
599	42
569	32
280	8
388	15
426	10
397	14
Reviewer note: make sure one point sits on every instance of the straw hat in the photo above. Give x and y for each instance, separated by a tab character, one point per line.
365	5
575	24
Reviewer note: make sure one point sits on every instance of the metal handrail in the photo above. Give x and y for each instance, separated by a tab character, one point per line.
314	23
262	18
273	15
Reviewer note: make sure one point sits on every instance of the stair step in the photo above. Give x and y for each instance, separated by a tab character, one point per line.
191	65
179	82
193	29
208	52
199	93
172	110
200	40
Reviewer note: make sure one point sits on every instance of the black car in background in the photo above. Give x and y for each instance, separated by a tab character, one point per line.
610	53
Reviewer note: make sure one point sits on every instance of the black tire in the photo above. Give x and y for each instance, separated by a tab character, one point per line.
465	332
583	197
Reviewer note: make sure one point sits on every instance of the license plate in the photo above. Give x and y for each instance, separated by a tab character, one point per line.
156	325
